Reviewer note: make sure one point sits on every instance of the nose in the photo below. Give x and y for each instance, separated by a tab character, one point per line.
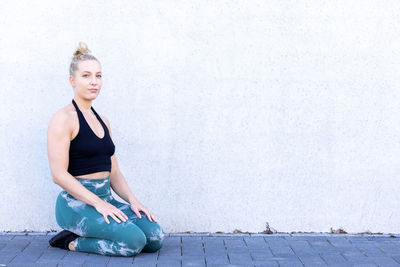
93	80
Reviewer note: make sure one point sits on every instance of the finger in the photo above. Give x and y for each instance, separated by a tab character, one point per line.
126	217
115	218
154	218
122	216
148	215
105	218
138	213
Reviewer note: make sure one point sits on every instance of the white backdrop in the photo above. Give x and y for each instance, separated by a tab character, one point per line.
225	114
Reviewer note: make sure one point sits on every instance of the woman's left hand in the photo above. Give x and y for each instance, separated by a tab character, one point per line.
137	207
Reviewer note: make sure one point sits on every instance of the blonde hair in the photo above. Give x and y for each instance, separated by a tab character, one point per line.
81	53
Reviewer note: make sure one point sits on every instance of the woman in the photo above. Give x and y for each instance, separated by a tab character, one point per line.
82	161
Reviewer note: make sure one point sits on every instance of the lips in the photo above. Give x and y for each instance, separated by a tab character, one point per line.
93	90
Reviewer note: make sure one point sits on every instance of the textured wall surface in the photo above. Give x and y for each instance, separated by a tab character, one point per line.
225	114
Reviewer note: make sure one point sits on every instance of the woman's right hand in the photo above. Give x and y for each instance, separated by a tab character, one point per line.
107	209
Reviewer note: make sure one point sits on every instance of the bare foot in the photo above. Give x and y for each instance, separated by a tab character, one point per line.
71	246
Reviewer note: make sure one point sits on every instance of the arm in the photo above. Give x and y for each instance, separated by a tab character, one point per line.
117	179
58	141
119	185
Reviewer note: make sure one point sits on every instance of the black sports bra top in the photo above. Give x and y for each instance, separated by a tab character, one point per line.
89	153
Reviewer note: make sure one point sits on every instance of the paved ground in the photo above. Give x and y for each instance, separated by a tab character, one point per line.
18	249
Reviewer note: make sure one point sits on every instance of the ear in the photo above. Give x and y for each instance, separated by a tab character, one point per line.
71	80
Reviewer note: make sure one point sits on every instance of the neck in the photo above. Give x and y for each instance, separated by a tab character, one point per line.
83	105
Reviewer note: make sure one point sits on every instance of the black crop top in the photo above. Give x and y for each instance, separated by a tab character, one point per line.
87	152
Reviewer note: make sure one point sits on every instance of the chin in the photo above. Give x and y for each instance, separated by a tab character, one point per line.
91	97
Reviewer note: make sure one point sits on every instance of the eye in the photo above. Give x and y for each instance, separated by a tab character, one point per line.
84	75
99	76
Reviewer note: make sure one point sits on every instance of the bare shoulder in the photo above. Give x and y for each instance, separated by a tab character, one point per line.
106	121
63	121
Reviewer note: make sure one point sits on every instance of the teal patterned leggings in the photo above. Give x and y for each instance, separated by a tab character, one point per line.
96	235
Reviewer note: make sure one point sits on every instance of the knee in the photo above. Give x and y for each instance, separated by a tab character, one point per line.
155	240
135	242
138	239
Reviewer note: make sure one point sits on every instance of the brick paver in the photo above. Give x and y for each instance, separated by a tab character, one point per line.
216	250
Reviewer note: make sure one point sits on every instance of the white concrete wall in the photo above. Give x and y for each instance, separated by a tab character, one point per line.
225	114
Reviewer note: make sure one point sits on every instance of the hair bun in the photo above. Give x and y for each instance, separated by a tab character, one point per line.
81	50
82	53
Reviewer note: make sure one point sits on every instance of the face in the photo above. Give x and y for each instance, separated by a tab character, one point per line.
87	80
